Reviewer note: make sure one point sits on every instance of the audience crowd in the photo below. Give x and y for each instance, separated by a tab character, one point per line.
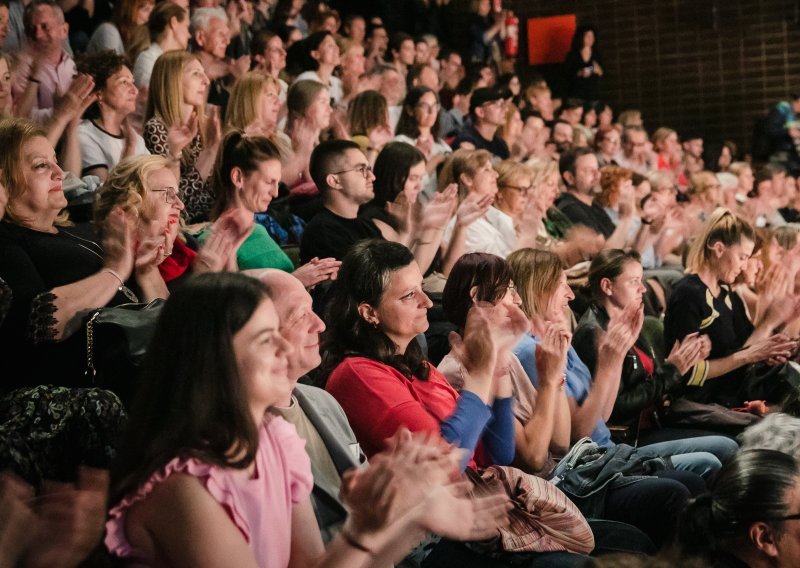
394	306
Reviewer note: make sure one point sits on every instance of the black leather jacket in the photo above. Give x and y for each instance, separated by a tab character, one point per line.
637	390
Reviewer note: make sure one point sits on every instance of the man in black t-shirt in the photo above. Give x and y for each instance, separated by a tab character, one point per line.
487	109
344	179
581	174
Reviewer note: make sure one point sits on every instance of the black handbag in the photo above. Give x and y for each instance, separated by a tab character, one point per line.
116	342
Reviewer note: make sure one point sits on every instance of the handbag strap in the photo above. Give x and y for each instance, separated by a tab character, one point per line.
90	347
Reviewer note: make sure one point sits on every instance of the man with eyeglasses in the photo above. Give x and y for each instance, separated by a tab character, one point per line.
635	154
487	110
344	178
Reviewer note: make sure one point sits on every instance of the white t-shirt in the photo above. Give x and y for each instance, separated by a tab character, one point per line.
143	67
334	85
493	234
101	149
106	36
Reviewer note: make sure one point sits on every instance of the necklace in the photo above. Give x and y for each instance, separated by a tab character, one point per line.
127	292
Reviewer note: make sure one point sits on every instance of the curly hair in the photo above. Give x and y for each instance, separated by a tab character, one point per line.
101	66
611	177
127	187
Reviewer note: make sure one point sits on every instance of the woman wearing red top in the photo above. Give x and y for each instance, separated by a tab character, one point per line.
378	371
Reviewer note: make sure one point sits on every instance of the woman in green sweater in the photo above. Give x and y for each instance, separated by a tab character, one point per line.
245	180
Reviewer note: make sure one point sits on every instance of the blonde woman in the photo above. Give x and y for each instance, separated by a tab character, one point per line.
703	302
309	104
520	215
145	188
176	127
476	179
254	105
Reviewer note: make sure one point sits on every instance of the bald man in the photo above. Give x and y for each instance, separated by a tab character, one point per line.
320	421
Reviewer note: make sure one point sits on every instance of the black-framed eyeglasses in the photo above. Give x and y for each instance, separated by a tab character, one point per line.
171	195
522	190
428	108
363	169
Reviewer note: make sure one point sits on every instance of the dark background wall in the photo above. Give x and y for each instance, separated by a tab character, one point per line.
707	65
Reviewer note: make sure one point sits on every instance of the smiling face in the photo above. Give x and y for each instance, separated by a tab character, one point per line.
262	359
43	194
5	82
610	144
327	53
319	112
402	313
3	23
215	38
194	83
119	93
47	30
559	300
426	110
300	326
730	260
484	181
269	105
162	205
257	189
143	13
275	55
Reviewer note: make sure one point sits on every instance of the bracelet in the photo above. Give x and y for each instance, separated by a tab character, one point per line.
349	539
33	79
115	275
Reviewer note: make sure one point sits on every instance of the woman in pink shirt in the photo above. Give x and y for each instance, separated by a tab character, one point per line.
207	478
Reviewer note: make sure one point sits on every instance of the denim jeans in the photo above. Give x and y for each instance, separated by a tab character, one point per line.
703	455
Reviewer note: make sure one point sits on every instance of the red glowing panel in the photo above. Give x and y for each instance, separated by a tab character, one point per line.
549	38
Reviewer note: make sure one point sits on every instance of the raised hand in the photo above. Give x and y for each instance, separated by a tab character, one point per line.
438	211
551	353
687	353
317	270
776	349
80	94
472	208
118	243
400	211
216	253
212	127
70	520
380	135
152	251
180	136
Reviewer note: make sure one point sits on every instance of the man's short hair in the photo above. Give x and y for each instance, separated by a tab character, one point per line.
35	5
777	431
326	159
415	72
201	18
626	132
566	163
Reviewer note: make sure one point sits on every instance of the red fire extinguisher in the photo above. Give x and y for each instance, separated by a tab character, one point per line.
512	35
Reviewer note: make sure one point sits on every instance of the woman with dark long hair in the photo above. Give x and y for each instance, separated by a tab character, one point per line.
582	68
419	126
223	482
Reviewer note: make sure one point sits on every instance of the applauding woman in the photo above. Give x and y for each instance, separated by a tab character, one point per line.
56	272
224	482
177	128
